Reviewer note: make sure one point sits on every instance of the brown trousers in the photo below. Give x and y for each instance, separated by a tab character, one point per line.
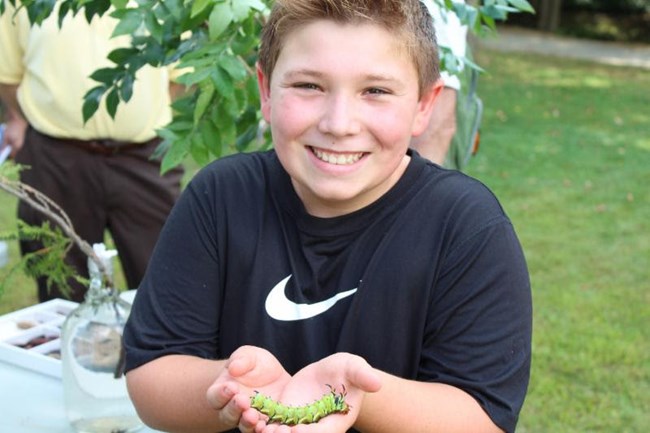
122	192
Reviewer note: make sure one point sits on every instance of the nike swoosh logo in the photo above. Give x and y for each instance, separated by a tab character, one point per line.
279	307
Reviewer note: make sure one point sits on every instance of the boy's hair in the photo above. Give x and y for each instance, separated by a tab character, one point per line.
407	19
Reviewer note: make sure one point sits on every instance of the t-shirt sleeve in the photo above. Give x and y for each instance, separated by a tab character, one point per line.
176	306
11	53
478	335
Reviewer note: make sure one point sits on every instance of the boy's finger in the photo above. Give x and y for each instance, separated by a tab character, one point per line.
363	376
240	366
232	413
220	394
251	421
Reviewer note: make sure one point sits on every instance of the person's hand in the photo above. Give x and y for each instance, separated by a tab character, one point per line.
249	369
14	134
344	373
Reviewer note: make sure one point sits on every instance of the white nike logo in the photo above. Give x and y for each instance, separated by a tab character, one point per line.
279	307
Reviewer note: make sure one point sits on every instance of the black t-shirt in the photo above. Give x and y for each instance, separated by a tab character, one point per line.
427	283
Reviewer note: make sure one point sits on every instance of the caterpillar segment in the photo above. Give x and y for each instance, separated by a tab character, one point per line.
330	403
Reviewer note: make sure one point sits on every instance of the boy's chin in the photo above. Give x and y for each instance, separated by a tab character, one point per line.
333	200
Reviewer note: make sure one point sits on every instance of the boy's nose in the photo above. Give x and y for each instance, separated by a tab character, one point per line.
340	117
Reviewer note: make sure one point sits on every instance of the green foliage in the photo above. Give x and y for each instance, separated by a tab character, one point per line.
215	41
47	262
483	16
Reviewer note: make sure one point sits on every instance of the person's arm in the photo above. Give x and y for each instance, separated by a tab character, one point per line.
170	394
182	393
434	142
14	118
381	403
11	73
407	405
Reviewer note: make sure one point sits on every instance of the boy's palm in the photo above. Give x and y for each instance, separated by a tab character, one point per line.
344	373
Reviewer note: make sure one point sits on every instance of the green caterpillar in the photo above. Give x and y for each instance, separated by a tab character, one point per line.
330	403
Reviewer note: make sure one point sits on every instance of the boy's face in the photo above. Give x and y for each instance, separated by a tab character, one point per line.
343	105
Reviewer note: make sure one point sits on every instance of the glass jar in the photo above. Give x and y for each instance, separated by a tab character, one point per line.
92	355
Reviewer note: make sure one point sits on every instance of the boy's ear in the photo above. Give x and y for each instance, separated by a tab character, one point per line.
264	86
425	106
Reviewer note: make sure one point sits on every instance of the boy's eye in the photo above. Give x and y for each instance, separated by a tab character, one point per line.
377	91
308	86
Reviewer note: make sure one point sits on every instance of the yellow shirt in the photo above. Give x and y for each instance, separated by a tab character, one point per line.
52	66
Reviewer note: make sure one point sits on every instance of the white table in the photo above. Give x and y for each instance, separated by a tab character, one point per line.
32	402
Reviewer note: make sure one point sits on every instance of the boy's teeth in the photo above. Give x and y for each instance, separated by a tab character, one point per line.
339	159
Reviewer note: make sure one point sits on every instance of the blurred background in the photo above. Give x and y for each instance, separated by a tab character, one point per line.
611	20
565	145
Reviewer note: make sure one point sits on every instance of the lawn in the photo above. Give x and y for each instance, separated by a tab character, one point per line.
566	147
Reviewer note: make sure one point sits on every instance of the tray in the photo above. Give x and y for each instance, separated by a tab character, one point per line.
30	337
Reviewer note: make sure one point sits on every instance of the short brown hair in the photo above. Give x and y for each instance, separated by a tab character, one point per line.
406	18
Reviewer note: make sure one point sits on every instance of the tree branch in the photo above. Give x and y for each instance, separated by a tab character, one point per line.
46	206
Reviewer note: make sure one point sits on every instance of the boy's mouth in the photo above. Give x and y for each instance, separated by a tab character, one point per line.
337	158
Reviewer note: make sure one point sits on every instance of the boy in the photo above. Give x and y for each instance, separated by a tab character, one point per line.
340	258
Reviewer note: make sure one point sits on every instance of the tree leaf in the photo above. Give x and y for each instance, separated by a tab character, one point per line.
112	101
222	82
175	155
129	23
227	130
234	67
64	8
199	6
119	4
154	27
105	75
121	56
191	78
126	87
243	8
522	5
91	101
198	150
220	18
96	7
175	7
211	137
206	94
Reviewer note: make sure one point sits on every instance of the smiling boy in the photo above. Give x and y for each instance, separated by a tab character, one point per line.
342	122
339	258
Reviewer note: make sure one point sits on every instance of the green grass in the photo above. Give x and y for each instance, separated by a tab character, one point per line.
565	146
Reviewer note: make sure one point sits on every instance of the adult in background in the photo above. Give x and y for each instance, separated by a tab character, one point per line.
101	172
434	143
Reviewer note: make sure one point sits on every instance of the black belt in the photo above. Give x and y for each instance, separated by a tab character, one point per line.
108	147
